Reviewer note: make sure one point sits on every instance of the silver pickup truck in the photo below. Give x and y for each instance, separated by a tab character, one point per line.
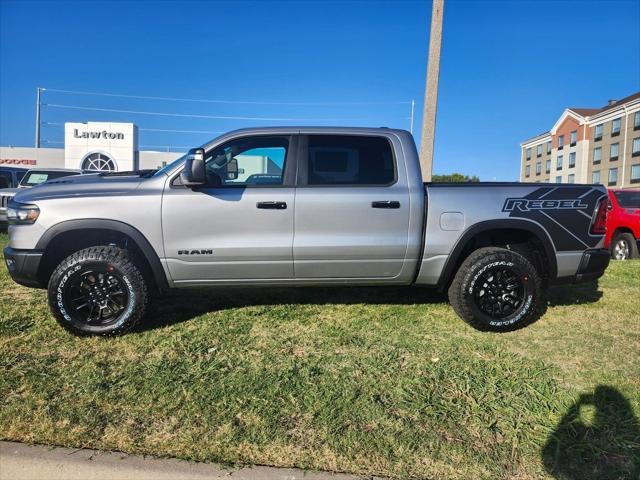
300	206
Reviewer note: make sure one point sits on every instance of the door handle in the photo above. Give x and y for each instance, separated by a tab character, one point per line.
385	204
272	205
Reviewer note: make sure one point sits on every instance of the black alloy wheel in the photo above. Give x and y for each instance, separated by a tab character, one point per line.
96	295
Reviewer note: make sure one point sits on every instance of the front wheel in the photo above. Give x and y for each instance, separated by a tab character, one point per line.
98	291
498	290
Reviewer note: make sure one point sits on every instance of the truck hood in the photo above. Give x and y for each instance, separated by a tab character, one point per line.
78	186
9	192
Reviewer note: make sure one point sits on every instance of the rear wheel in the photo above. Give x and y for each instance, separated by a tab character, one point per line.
624	247
98	291
498	290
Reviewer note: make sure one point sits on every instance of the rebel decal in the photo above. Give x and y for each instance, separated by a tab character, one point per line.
565	212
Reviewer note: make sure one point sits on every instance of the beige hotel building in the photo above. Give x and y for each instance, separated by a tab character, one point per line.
588	145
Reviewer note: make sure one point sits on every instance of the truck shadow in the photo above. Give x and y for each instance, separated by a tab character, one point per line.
598	437
577	294
183	305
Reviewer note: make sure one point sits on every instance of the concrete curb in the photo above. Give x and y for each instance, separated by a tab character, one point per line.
34	462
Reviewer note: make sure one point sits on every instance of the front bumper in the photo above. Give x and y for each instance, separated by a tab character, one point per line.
23	266
593	264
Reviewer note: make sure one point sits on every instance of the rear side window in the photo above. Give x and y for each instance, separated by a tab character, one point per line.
349	160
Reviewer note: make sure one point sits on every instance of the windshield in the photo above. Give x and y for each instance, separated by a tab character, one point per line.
32	179
167	168
628	199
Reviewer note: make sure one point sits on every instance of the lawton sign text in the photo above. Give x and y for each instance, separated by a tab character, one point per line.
103	134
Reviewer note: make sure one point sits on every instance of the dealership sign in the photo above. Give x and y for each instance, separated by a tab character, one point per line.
17	161
97	134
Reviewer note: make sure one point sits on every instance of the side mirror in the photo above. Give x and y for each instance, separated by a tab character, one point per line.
232	169
193	174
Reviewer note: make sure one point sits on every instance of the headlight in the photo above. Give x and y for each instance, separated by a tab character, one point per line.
22	213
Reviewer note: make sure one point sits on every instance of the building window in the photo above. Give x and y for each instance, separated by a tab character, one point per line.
635	173
572	159
527	170
613	152
573	138
613	176
571	178
636	121
560	142
98	162
598	133
559	179
635	149
548	169
548	148
528	153
615	127
597	155
538	168
539	150
595	177
559	162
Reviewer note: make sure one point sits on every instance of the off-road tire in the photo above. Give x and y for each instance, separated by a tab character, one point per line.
117	261
631	246
463	289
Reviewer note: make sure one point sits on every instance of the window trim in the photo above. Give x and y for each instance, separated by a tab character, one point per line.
302	177
288	174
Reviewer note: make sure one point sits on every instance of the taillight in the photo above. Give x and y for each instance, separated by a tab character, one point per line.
599	225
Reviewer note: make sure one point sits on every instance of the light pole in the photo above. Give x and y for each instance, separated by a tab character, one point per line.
431	91
37	140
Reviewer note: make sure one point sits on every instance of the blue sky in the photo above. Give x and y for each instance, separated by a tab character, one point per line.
508	68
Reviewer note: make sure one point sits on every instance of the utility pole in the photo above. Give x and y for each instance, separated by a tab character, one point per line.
37	141
431	91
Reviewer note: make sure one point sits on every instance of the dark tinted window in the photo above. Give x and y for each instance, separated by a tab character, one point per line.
628	199
350	160
5	180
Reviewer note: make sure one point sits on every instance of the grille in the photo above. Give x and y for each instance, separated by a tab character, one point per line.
4	200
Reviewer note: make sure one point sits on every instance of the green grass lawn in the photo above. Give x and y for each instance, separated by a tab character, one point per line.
365	380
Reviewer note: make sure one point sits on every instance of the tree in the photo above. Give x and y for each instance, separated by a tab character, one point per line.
454	178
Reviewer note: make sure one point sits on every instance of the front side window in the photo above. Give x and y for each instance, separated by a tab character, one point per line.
595	177
598	132
635	173
571	178
635	148
597	155
615	127
539	150
572	159
349	160
559	162
548	169
613	176
614	151
574	137
560	141
247	161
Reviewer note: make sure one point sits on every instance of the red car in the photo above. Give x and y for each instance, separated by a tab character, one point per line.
623	224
